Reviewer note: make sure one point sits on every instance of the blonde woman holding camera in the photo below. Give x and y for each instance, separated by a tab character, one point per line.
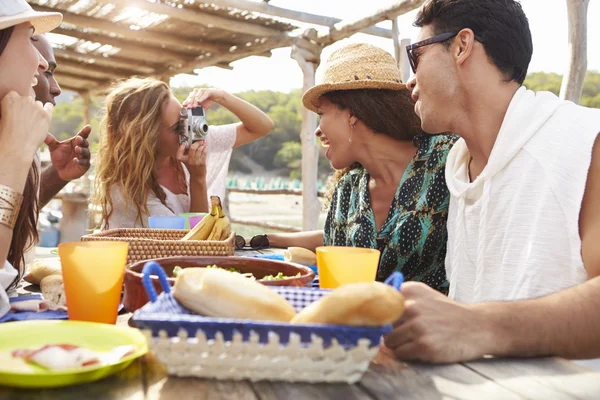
142	169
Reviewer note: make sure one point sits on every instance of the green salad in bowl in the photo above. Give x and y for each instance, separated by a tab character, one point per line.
177	270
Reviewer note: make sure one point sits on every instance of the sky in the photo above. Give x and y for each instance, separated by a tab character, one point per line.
547	21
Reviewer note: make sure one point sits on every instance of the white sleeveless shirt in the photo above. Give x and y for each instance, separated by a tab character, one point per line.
513	233
220	142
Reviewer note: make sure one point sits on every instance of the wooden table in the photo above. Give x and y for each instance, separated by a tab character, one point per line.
542	378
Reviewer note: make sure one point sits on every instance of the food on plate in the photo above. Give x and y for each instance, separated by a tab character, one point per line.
300	255
43	268
214	226
67	356
53	290
357	304
177	270
214	292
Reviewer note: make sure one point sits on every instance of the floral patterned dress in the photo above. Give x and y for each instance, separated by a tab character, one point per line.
413	238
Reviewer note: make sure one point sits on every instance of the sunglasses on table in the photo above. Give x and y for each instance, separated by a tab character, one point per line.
413	59
257	242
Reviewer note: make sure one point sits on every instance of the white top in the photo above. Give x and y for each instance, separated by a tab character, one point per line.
513	233
7	276
220	142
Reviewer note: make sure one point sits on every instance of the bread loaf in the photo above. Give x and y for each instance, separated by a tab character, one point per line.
41	269
357	304
218	293
53	290
300	255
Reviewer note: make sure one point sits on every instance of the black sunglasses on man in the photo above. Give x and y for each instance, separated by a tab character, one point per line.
414	59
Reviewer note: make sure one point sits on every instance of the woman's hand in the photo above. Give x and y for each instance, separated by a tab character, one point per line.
206	98
195	159
24	125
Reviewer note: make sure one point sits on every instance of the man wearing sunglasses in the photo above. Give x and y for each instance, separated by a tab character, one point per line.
524	216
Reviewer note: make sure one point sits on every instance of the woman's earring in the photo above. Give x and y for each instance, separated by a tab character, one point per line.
351	130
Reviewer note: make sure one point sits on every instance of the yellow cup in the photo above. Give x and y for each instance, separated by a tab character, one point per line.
342	265
93	278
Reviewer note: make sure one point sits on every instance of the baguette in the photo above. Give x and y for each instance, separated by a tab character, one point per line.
41	269
300	255
355	304
218	293
53	290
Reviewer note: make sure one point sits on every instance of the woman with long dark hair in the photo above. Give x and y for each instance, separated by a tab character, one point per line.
23	127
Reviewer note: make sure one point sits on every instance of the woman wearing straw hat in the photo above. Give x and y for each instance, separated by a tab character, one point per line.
23	127
389	190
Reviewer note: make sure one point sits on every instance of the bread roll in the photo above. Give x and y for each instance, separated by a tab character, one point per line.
43	268
356	304
300	255
218	293
53	290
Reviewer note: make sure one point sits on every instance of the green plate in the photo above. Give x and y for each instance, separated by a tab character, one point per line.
34	334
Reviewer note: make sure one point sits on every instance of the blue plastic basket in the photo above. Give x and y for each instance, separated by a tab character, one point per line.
164	313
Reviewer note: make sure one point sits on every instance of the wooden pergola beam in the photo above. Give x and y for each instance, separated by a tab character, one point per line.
141	35
572	83
345	29
70	88
197	17
112	61
267	9
232	55
91	69
67	81
84	79
224	65
135	49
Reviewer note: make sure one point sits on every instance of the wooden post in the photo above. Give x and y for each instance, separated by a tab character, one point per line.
307	53
86	107
572	84
396	39
75	221
404	64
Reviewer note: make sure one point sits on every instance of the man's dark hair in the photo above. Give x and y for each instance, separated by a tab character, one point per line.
501	24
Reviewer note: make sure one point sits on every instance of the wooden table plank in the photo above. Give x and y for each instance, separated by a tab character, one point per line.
307	391
390	379
541	378
126	385
159	385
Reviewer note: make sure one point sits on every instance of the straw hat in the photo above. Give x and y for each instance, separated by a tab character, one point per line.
356	66
15	12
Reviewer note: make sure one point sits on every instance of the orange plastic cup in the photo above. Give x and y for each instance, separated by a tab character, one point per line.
93	277
342	265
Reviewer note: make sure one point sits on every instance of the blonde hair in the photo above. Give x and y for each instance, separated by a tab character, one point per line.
128	146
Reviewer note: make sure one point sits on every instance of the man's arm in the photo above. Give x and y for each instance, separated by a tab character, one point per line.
437	329
589	217
564	324
50	185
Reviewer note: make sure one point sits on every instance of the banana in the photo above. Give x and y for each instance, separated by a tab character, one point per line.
222	228
203	229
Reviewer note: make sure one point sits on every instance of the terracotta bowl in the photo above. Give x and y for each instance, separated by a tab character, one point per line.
135	295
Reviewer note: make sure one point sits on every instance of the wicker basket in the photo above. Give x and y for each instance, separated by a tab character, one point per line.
145	244
193	345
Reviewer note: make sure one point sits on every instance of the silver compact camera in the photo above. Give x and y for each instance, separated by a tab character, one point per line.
193	126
